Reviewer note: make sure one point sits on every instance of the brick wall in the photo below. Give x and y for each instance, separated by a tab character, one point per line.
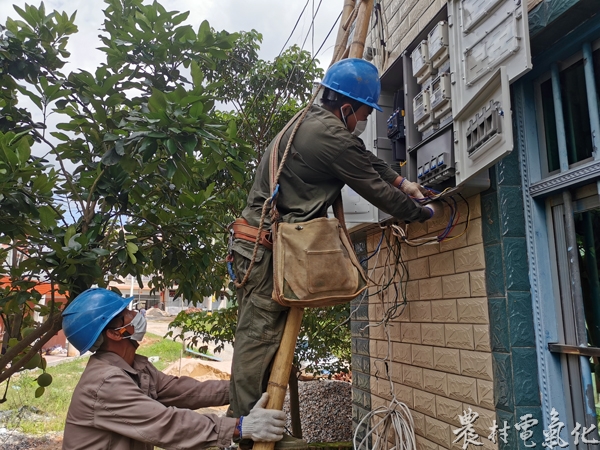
441	361
405	20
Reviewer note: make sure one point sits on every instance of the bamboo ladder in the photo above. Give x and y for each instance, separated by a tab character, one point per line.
282	364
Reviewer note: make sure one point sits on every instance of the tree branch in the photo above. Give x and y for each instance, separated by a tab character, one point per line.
56	325
62	167
43	333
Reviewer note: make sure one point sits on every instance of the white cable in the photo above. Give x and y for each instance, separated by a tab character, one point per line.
383	425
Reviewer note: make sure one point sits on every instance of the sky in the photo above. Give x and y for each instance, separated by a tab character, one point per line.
273	18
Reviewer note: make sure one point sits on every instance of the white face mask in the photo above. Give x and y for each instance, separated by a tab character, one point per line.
139	328
360	126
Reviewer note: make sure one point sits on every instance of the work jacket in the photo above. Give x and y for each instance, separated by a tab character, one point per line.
323	158
119	407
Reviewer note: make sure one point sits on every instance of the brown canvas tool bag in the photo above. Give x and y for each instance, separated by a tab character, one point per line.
314	264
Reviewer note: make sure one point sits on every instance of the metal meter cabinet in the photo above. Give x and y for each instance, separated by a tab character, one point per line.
489	48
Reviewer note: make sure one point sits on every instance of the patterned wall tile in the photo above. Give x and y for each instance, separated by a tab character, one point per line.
520	315
515	259
494	273
499	332
525	377
462	388
448	410
472	310
430	288
508	172
503	383
456	286
433	334
511	212
459	336
490	220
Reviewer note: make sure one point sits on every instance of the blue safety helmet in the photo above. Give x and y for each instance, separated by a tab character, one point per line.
355	78
87	315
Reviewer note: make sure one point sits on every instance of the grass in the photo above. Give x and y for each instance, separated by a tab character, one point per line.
48	413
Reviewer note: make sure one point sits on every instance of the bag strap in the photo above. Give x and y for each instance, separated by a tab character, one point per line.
275	172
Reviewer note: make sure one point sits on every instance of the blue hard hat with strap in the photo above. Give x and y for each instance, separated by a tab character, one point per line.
355	78
90	312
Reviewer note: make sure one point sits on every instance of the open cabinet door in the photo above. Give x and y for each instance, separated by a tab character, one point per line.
489	48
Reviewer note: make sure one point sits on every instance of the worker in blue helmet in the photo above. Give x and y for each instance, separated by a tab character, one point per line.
326	155
123	402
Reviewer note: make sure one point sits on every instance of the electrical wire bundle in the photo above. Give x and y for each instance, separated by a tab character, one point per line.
389	426
392	426
445	234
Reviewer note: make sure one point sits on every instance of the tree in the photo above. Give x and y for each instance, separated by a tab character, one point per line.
138	179
265	95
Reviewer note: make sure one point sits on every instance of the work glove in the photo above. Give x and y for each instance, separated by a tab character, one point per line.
436	208
263	425
412	189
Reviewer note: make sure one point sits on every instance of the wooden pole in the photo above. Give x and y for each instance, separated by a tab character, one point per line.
282	364
340	41
282	367
362	27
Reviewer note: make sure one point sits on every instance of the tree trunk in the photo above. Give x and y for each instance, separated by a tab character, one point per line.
295	403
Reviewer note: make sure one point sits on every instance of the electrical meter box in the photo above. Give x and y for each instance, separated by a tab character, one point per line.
446	100
420	62
440	101
489	45
438	44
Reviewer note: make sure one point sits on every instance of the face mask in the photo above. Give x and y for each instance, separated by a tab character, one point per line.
360	126
139	328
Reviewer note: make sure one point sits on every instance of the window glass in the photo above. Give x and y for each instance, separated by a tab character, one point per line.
575	113
587	229
596	57
550	126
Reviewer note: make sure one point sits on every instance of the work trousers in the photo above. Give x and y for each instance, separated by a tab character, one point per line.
259	329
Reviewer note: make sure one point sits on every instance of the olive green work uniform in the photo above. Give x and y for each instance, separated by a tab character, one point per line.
324	157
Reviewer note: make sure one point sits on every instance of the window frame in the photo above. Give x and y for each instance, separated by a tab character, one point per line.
539	112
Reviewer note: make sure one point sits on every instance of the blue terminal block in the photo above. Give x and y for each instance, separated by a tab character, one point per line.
420	172
425	168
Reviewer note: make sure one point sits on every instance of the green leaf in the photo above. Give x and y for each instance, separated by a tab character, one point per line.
131	251
47	216
197	75
196	110
60	136
203	31
172	146
23	150
171	169
39	391
157	101
69	234
111	157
